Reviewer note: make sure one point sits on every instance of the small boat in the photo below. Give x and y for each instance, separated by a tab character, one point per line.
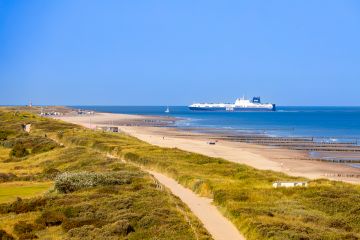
167	110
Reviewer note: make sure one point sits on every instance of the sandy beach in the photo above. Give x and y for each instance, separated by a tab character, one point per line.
261	157
291	162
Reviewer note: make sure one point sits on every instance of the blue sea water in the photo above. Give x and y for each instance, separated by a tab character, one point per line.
334	123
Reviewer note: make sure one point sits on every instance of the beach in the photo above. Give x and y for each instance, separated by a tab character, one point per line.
227	184
155	130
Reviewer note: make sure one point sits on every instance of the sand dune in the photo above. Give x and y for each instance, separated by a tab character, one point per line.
260	157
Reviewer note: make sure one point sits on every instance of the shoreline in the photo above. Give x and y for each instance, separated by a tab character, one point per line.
291	162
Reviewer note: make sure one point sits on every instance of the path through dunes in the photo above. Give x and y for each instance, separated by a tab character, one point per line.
215	223
218	226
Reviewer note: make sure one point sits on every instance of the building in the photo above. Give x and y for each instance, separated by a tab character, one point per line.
107	128
289	184
50	113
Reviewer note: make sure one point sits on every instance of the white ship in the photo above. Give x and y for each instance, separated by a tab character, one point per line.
240	105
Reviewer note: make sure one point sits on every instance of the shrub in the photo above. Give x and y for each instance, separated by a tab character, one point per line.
60	134
44	146
19	151
5	236
131	156
27	236
4	135
37	144
23	206
50	173
51	218
77	222
22	227
70	182
122	227
7	177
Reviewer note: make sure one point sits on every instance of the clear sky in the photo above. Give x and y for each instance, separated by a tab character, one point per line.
105	52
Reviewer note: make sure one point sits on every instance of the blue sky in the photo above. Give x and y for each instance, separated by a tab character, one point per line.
75	52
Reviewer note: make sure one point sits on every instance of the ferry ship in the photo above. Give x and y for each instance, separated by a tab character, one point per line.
240	105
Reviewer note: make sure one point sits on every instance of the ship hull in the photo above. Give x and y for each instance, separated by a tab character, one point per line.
235	109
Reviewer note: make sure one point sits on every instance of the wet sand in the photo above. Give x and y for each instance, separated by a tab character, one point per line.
291	162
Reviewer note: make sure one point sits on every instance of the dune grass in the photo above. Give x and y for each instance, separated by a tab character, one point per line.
324	210
128	206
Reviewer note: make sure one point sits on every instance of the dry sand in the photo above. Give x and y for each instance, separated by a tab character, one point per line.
218	226
293	163
257	156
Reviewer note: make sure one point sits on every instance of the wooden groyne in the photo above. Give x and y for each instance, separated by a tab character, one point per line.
342	175
315	144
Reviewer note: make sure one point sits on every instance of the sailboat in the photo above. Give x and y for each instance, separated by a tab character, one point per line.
167	110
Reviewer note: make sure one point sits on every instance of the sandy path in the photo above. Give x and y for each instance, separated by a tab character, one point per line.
218	226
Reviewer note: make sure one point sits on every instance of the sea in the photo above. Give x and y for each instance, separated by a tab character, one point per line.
336	124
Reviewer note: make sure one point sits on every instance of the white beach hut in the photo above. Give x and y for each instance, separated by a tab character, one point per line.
289	184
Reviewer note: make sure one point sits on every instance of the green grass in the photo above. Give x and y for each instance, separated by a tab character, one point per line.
324	210
134	210
11	190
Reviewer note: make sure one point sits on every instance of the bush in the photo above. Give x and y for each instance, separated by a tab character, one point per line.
51	218
25	230
122	227
77	222
4	135
70	182
44	146
22	227
131	156
60	134
7	177
37	144
50	173
23	206
19	151
27	236
5	236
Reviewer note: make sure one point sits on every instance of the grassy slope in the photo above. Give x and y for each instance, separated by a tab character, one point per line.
138	210
9	191
324	210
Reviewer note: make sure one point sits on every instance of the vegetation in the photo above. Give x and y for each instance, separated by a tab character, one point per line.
10	190
19	151
70	182
5	236
67	191
324	210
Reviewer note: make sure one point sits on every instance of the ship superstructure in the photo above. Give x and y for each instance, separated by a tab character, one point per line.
241	104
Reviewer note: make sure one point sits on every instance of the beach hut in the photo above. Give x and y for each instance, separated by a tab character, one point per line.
108	129
289	184
113	129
